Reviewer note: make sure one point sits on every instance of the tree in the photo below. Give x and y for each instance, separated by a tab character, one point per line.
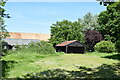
92	37
66	30
106	2
3	31
89	22
109	22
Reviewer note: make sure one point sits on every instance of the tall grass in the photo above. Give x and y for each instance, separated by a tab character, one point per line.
23	55
41	47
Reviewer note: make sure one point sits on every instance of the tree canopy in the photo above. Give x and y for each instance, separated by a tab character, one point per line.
66	30
106	2
109	22
92	37
3	31
89	21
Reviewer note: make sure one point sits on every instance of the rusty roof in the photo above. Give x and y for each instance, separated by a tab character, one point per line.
66	43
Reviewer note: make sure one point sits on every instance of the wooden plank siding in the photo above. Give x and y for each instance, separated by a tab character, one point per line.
71	47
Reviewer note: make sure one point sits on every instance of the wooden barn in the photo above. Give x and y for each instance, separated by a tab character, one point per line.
73	46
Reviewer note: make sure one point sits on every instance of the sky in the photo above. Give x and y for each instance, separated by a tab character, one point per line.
37	17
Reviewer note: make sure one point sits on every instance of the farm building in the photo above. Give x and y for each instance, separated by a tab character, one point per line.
73	46
12	42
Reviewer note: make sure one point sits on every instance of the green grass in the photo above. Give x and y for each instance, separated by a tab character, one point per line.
34	63
100	54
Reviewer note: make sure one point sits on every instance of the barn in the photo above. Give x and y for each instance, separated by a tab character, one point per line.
73	46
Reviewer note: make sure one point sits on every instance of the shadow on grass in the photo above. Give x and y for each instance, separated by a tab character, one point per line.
116	56
6	65
107	72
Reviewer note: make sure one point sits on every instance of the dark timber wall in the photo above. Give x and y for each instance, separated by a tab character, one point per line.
73	47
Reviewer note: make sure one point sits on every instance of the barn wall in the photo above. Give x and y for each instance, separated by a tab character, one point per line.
75	49
61	49
76	44
70	49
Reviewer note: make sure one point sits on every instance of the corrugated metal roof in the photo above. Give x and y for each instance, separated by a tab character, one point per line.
11	41
66	43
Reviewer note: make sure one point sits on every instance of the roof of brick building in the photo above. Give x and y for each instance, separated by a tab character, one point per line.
12	41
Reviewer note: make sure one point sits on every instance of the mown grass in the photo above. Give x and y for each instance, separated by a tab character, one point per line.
33	63
23	63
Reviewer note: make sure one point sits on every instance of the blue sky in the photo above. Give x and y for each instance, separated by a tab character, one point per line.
37	17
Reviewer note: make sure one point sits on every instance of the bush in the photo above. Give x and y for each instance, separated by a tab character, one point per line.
105	46
92	37
41	47
3	44
117	45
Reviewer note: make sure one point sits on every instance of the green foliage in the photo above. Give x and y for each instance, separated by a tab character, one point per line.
89	22
117	45
83	73
6	66
19	57
2	10
106	2
3	47
41	47
19	60
18	46
105	46
66	30
109	22
108	37
23	55
24	64
3	31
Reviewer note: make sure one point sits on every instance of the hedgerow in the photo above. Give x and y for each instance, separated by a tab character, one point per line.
41	47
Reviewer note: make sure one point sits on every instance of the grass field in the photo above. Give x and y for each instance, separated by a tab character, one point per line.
71	65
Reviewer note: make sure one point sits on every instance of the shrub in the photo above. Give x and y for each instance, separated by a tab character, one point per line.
41	47
117	45
92	37
3	44
105	46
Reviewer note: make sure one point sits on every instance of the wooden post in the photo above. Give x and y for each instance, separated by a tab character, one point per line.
0	52
66	48
84	48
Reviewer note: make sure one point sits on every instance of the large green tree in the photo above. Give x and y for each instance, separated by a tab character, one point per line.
3	31
66	30
109	22
89	22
